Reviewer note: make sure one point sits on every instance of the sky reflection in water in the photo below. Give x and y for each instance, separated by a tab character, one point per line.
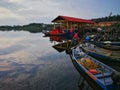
28	62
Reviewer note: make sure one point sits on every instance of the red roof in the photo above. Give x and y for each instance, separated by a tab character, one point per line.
73	19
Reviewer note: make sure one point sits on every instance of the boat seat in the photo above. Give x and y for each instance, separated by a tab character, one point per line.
107	80
107	74
77	56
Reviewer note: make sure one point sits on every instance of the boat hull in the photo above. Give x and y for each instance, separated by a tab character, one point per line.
68	35
110	46
100	56
90	81
96	81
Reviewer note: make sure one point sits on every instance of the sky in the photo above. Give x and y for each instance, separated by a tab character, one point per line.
21	12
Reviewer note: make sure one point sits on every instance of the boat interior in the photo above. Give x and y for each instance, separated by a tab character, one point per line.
91	47
98	69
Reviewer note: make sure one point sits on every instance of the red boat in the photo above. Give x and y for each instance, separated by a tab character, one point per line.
55	32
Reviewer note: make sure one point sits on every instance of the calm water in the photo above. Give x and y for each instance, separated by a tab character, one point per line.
28	62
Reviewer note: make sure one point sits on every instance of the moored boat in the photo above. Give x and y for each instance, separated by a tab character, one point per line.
54	32
108	45
97	74
100	53
63	46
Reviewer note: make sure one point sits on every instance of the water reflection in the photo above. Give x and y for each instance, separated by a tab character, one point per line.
28	62
66	45
32	62
83	85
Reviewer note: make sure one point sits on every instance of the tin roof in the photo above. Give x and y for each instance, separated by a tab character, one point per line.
73	19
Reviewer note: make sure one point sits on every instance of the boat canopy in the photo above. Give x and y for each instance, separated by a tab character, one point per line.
73	19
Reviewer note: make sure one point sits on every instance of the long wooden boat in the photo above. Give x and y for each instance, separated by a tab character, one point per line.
97	74
63	46
56	32
100	53
108	45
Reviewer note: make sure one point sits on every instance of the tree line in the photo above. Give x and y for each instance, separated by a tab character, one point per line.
107	18
32	27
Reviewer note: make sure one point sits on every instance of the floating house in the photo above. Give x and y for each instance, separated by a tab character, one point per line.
66	22
65	25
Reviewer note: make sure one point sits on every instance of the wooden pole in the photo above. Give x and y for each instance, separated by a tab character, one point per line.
60	24
54	25
67	25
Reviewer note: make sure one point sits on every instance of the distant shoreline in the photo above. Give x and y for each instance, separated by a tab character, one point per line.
32	27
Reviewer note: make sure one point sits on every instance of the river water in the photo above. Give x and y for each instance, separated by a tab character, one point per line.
28	62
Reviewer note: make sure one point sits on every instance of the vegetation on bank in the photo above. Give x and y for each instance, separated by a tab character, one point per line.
113	27
32	27
107	18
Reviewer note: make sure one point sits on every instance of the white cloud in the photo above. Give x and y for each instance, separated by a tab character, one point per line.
46	10
8	17
6	13
16	1
43	10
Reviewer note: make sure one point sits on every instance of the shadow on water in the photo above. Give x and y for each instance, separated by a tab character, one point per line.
83	85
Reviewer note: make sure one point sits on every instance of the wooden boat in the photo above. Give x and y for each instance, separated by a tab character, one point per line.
64	46
100	53
54	33
108	45
97	74
57	32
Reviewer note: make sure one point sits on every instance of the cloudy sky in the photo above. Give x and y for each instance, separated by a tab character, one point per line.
19	12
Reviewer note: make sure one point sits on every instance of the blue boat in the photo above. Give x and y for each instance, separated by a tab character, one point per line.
97	74
108	45
100	53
